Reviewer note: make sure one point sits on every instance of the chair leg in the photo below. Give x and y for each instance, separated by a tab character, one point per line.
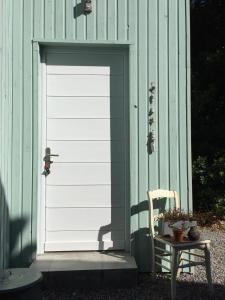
174	273
153	258
178	263
208	267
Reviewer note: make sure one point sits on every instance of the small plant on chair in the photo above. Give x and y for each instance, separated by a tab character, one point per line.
179	228
177	214
177	222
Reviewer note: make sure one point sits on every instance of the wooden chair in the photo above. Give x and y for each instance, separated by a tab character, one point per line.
175	250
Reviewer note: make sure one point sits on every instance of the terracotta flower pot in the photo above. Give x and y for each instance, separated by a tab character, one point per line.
178	235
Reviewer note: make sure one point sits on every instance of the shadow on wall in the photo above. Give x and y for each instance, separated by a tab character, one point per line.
4	228
141	241
12	254
20	256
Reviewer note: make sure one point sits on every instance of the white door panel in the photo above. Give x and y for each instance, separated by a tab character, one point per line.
78	129
85	174
78	85
84	85
60	219
85	196
68	63
79	70
84	246
85	126
84	107
87	151
84	235
84	129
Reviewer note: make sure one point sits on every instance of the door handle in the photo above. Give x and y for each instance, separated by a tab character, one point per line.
48	161
48	155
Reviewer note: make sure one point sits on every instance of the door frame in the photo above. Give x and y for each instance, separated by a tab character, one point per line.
109	49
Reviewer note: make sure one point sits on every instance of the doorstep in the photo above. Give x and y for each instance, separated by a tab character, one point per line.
92	268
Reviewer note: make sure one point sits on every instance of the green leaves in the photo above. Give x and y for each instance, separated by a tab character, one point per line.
209	182
208	106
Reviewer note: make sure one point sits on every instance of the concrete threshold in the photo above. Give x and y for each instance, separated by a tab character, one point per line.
89	268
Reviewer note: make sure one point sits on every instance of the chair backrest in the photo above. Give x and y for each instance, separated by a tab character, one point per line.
156	195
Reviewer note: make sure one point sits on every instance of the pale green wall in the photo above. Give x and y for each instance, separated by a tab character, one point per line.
158	31
5	126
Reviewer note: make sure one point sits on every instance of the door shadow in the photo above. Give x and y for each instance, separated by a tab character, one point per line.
119	157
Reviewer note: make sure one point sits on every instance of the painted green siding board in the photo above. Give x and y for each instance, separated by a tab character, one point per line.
142	132
163	95
5	128
4	107
153	79
81	24
173	96
17	136
9	101
122	26
69	16
91	24
112	19
2	90
101	15
7	112
188	99
38	15
27	126
2	211
60	21
35	143
49	19
158	33
182	105
133	35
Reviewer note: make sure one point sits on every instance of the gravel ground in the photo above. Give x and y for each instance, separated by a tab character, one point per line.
189	286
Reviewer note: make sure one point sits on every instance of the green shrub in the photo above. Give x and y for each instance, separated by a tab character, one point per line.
208	105
209	183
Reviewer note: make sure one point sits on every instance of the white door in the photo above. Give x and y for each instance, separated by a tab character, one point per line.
85	126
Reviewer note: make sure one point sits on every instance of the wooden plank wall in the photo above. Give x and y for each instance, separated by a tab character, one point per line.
5	127
158	31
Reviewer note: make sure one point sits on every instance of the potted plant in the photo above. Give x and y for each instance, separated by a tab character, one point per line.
179	229
177	220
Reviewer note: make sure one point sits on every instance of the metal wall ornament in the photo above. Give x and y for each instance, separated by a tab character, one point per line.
151	135
87	6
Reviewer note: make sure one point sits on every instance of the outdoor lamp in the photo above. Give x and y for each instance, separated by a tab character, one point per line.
87	6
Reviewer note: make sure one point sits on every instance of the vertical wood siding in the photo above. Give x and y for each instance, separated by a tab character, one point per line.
158	31
5	127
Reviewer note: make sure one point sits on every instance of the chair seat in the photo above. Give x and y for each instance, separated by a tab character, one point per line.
186	244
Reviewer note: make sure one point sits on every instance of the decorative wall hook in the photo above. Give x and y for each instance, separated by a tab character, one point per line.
151	135
152	88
